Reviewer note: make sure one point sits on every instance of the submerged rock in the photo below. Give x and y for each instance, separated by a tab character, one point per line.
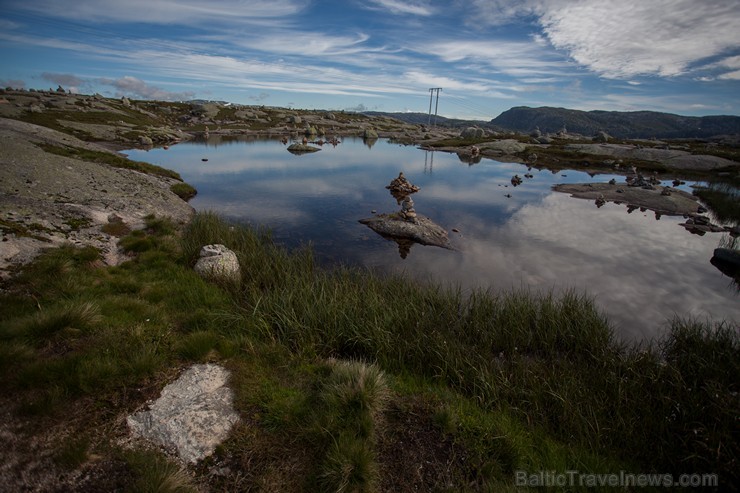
193	415
422	230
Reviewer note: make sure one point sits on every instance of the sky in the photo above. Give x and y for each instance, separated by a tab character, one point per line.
676	56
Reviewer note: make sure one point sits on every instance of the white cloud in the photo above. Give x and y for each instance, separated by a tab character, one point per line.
631	37
517	59
404	7
313	44
164	11
735	75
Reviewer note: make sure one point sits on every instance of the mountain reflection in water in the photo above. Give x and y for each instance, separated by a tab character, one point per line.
642	271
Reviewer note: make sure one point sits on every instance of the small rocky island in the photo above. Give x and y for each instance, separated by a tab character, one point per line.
406	227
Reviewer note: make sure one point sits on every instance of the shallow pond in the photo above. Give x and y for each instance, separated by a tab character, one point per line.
641	271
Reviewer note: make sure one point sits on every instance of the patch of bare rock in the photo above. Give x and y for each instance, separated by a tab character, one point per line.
677	202
192	416
48	200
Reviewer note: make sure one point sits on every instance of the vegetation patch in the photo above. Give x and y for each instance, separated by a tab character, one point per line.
18	229
723	199
184	191
346	380
110	159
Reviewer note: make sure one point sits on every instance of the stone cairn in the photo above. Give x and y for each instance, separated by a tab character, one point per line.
400	189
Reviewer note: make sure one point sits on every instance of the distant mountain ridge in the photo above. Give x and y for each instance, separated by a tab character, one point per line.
619	124
423	119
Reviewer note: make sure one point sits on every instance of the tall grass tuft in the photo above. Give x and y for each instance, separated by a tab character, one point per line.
352	400
155	474
72	317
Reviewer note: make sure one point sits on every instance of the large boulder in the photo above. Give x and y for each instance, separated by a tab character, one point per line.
421	230
370	133
193	415
472	133
205	110
503	147
218	263
302	148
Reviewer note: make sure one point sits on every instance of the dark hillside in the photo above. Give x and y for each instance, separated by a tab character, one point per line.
633	124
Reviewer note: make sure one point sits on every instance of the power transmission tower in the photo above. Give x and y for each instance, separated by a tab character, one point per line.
431	96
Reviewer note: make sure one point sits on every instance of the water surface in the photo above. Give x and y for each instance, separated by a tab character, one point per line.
642	271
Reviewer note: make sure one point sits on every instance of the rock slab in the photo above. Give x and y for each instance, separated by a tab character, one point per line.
193	415
218	263
422	230
677	203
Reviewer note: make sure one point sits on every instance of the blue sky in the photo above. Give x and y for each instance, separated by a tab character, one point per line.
678	56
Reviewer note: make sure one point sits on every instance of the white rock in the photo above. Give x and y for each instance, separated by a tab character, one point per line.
193	415
218	263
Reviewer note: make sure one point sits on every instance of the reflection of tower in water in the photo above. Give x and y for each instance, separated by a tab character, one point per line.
428	162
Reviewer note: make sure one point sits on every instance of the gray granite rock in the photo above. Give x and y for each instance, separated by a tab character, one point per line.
193	415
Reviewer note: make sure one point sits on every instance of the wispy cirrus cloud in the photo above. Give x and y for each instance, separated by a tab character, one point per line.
189	12
514	58
402	7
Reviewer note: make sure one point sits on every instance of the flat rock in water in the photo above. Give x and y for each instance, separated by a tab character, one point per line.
193	415
424	231
677	203
302	148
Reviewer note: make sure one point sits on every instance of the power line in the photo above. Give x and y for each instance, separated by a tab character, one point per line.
431	95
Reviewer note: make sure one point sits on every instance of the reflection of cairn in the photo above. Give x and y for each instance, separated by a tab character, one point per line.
400	188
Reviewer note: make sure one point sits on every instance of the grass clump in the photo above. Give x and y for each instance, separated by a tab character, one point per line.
184	191
353	399
111	159
155	474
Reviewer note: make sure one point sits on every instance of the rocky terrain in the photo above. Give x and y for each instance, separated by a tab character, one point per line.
48	199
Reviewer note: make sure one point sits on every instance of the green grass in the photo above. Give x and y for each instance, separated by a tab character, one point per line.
110	159
723	200
155	474
327	365
17	229
184	191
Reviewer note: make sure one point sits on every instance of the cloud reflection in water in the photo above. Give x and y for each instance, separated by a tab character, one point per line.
641	271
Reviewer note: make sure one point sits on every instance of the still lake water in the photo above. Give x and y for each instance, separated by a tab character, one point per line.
641	271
